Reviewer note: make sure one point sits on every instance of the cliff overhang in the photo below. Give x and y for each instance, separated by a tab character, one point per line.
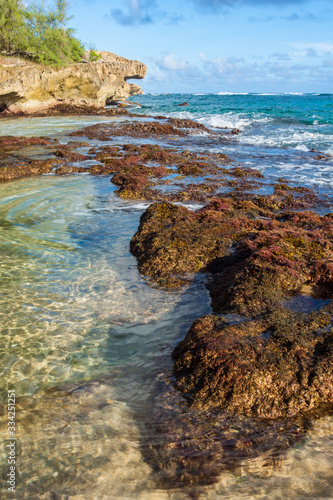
28	88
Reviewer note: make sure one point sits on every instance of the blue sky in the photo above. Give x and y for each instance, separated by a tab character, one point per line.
216	45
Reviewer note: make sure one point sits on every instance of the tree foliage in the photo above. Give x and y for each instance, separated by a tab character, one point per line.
13	29
38	32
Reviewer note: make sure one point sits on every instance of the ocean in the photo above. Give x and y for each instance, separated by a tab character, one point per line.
85	337
296	121
280	127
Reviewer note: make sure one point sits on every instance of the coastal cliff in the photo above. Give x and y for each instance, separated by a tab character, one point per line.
27	88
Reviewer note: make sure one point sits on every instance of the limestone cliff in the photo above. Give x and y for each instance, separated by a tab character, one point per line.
27	87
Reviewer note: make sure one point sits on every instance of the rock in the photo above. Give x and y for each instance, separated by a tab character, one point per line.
68	110
134	179
235	131
36	167
30	88
70	156
173	242
273	362
186	123
190	447
268	360
68	169
273	367
135	90
325	157
104	131
274	262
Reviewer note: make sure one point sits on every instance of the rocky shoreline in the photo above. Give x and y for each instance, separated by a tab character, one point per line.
247	379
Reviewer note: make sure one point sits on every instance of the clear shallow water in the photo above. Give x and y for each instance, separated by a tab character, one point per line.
48	127
74	308
84	338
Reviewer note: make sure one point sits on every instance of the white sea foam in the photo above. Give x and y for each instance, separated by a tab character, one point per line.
233	120
302	147
132	206
190	206
306	173
302	140
232	93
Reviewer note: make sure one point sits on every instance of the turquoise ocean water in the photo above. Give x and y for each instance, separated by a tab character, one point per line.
300	121
277	130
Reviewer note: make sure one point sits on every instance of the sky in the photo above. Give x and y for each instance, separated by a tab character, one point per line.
216	45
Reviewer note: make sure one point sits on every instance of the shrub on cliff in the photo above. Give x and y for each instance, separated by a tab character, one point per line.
39	33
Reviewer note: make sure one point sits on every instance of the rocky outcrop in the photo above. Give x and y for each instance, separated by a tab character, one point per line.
29	88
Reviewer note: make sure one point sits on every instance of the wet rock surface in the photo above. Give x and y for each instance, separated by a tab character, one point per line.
255	369
67	110
140	129
255	265
173	241
272	367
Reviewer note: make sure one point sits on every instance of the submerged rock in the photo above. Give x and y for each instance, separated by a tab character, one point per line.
189	447
28	169
105	131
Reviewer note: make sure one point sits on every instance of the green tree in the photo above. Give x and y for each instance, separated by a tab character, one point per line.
61	12
13	30
39	32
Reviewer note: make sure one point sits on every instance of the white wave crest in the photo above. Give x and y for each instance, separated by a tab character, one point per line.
232	93
233	120
282	137
302	147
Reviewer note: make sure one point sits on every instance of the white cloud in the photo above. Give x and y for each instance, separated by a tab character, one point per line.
215	5
142	12
170	63
303	49
278	73
138	12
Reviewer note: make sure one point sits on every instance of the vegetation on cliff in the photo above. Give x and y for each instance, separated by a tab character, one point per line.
38	33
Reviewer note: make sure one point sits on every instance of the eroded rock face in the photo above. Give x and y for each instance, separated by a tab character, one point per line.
30	88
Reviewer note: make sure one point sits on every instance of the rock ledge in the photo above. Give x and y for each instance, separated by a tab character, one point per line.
30	88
